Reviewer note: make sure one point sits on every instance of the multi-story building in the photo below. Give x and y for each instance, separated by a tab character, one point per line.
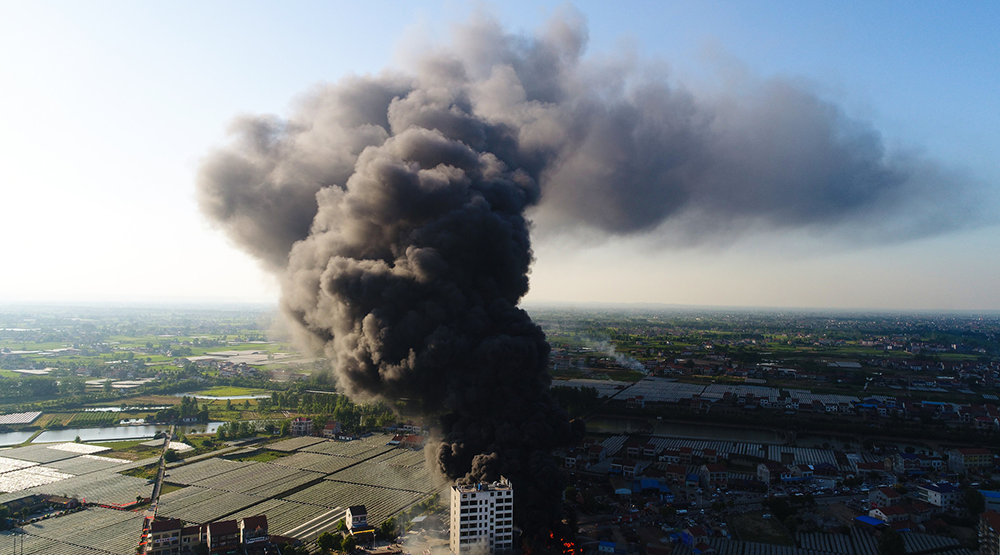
989	533
302	427
222	537
942	495
969	460
713	475
482	517
253	530
190	537
164	537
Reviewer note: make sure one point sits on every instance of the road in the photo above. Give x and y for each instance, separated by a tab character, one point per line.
154	499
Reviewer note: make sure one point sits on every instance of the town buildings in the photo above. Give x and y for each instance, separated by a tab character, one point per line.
482	517
989	533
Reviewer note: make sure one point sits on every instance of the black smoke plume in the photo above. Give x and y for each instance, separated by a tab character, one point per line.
393	210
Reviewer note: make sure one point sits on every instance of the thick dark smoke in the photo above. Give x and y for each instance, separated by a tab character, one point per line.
392	208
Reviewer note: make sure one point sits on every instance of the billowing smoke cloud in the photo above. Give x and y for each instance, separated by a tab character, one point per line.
392	208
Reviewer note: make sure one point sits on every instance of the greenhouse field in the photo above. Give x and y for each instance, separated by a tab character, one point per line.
91	531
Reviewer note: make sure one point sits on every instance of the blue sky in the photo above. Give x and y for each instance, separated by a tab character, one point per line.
108	107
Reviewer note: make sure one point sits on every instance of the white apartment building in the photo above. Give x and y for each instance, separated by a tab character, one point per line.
482	517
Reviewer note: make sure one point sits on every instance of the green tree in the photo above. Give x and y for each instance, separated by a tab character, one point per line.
341	526
327	542
387	530
171	456
975	501
348	543
891	543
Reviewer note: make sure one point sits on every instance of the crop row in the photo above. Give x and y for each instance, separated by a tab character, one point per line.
359	448
202	470
259	479
104	530
402	457
99	487
206	505
380	502
316	462
294	444
92	419
382	475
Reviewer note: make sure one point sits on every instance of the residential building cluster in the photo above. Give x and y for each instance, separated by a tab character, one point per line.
224	537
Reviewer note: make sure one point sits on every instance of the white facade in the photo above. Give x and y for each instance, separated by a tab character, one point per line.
482	517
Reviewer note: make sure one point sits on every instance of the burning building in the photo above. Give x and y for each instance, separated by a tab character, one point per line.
482	517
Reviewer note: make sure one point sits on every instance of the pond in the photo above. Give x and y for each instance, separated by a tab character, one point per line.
222	397
111	433
14	438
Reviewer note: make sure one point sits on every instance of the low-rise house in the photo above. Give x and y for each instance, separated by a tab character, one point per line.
884	497
920	512
331	429
992	499
890	514
942	495
597	453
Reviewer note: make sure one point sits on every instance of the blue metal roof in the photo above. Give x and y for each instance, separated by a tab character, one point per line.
990	494
869	520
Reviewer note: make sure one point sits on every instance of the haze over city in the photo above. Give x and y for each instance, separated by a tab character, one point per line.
112	110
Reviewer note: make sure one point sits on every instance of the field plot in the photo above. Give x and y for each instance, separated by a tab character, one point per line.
380	502
93	530
295	443
406	478
30	477
79	448
316	462
201	505
9	465
93	419
19	417
402	457
260	479
39	453
97	487
86	464
356	449
202	470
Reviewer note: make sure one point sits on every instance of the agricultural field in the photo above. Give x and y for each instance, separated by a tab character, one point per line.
94	419
93	531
